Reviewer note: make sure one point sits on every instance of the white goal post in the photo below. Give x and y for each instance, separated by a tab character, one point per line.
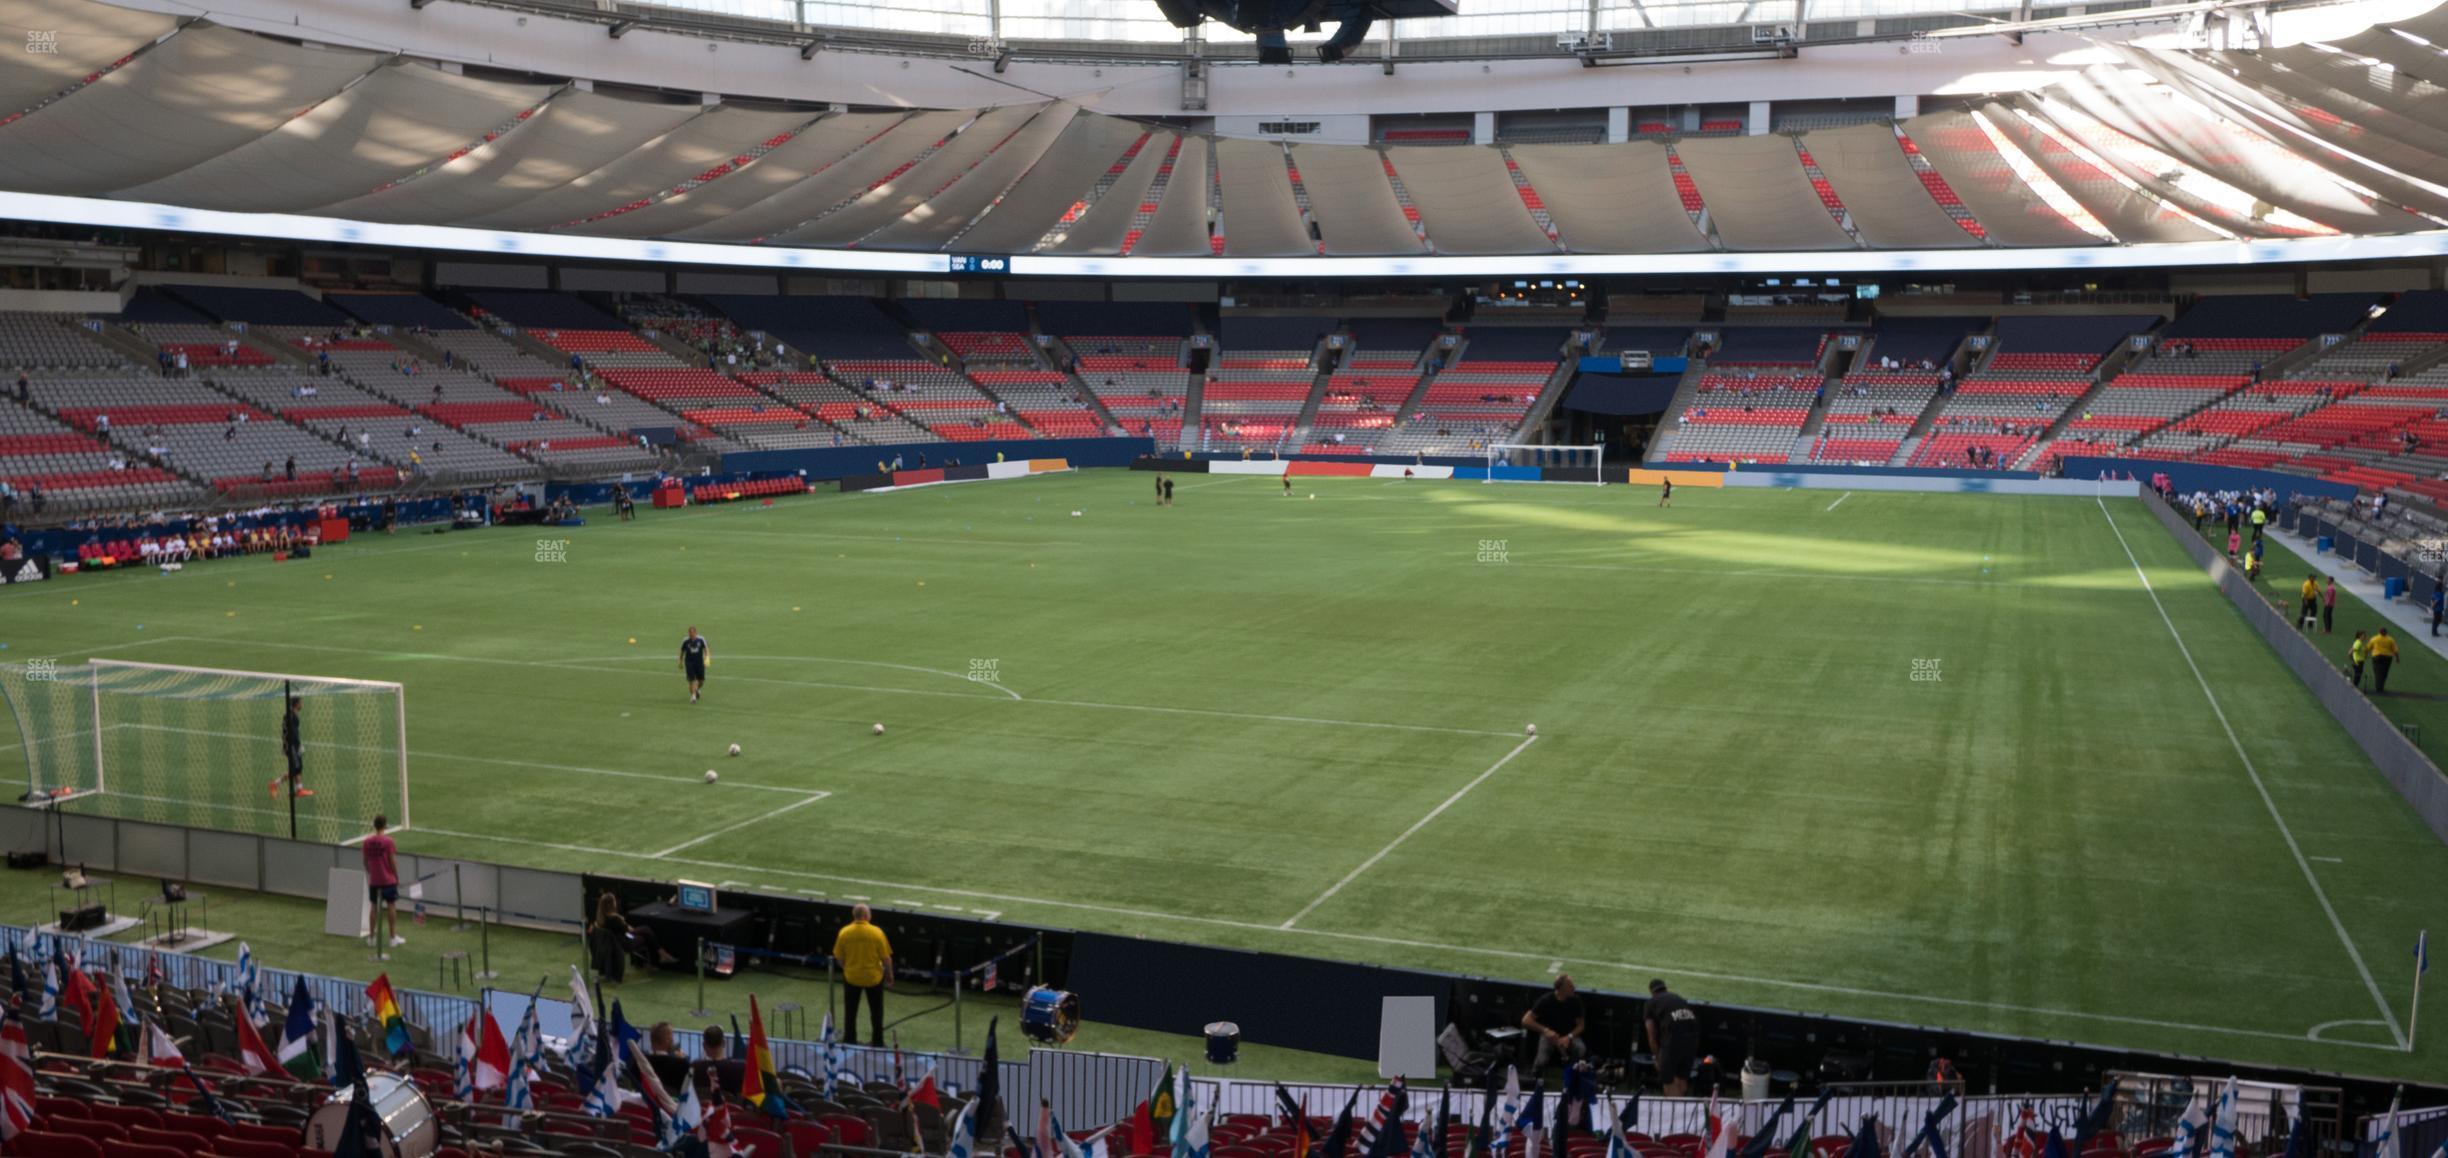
204	746
1550	462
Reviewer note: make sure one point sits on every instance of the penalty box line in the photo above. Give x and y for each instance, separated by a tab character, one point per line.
1407	833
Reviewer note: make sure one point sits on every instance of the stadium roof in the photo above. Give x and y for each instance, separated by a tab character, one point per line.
2308	142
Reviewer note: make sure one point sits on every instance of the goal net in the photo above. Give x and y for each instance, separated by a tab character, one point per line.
202	746
1544	463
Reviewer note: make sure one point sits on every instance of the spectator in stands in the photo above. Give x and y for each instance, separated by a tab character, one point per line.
1558	1017
717	1073
290	469
2383	657
866	962
664	1058
25	388
1674	1036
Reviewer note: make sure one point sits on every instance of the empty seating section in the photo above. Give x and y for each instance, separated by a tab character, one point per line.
1871	406
541	309
941	400
1769	346
260	307
33	343
2138	402
1044	399
991	332
1745	414
2038	366
1845	448
407	311
857	417
1483	395
76	471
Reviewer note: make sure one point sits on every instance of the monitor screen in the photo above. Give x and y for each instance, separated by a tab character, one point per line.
695	896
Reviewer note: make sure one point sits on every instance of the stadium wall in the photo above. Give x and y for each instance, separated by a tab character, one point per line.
2413	774
1956	485
2188	477
836	462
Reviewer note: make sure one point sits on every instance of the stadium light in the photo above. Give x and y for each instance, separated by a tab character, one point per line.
620	28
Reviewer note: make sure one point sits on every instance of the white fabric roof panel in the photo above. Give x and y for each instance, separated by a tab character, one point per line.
1467	201
2130	216
201	93
1260	217
2012	212
2398	52
83	38
397	120
2348	153
712	137
1757	194
831	184
1890	206
1071	167
711	205
575	134
1610	198
1353	203
2401	141
2225	150
906	191
1179	226
934	223
2419	100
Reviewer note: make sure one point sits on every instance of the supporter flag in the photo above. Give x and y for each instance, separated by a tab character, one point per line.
1508	1109
2094	1121
361	1130
526	1056
2389	1144
2025	1141
990	1071
250	1005
129	1037
1390	1105
722	1141
17	977
2054	1145
1765	1136
1929	1134
683	1127
1865	1140
1043	1144
1338	1139
463	1062
1573	1106
924	1093
1533	1123
347	1069
2223	1123
387	1015
48	1008
78	993
492	1055
1722	1130
1162	1107
1195	1135
963	1142
297	1051
16	1075
155	1048
1619	1138
2189	1131
1430	1142
1799	1145
1297	1114
758	1083
581	1050
1022	1146
2298	1140
257	1057
102	1029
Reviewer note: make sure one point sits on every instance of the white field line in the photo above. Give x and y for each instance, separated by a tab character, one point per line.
1768	573
1407	833
1540	961
1840	500
2387	1015
728	829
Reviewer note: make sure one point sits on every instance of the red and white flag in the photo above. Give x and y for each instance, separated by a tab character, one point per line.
257	1057
16	1076
492	1056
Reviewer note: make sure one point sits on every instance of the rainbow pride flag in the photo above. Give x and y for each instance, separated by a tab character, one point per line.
387	1011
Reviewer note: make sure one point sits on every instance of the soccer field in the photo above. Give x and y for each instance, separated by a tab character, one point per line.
1937	759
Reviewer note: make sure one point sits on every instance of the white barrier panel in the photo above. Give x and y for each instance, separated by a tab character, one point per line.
1935	484
1248	466
1398	470
1018	469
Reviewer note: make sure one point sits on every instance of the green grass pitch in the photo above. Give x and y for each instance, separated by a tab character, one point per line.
1297	725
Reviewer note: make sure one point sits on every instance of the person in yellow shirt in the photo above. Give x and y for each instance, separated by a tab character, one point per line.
2311	600
2383	657
2354	661
866	964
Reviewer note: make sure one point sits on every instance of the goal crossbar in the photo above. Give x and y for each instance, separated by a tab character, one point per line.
1553	462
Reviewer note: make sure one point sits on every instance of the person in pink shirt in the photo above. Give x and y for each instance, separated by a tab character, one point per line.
382	886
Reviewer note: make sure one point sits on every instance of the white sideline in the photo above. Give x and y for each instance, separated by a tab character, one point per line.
1416	825
2388	1016
1840	500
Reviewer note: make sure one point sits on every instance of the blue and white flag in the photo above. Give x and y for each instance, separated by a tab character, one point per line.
48	1008
119	995
2422	952
1184	1100
248	978
2388	1144
683	1123
964	1132
296	1052
1194	1141
1508	1113
582	1023
526	1054
2223	1123
2189	1130
1533	1123
463	1063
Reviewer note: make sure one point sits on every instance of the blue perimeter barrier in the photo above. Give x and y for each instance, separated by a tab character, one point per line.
833	462
2188	477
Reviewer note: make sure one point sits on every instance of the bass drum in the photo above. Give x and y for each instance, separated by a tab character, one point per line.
409	1129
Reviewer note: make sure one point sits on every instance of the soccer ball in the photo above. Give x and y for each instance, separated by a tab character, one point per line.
1075	514
1313	496
711	777
735	748
1533	730
879	729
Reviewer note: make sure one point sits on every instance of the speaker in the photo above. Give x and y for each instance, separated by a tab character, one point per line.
79	920
26	860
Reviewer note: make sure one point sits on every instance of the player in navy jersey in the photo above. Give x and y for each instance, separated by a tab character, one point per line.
693	662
